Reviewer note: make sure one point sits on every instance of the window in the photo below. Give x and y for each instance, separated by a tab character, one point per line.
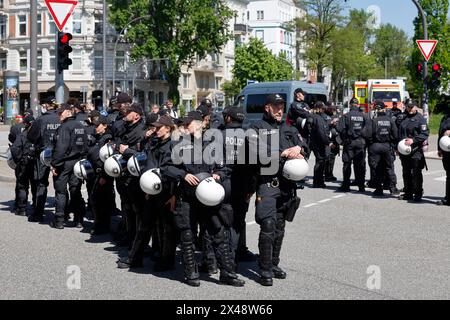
361	92
2	27
52	59
260	15
98	28
98	60
256	102
186	81
39	60
3	60
77	59
218	83
260	35
51	25
248	15
39	24
120	61
23	61
76	22
22	19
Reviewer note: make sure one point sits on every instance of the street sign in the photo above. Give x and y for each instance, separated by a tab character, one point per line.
61	10
427	47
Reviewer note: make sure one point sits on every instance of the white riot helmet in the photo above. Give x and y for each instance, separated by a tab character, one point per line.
106	151
295	169
209	192
150	182
136	164
303	123
444	143
403	148
83	170
9	159
46	157
115	165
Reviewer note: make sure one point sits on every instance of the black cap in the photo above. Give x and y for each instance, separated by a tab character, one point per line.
275	99
123	98
206	103
192	115
235	113
203	110
300	90
150	118
379	105
354	101
163	121
63	107
411	104
94	113
136	107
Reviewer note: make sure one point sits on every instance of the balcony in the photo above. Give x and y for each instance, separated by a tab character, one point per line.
240	28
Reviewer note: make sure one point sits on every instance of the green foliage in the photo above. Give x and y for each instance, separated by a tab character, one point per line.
255	62
438	29
178	30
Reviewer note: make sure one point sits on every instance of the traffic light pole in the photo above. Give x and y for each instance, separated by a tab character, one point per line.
59	77
33	59
425	64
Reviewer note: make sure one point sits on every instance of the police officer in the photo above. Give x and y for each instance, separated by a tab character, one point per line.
383	138
102	191
158	209
274	194
23	153
414	129
444	130
320	143
299	114
127	144
16	129
332	118
353	130
70	147
42	134
188	165
237	186
117	113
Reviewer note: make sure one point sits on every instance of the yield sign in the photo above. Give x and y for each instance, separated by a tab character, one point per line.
427	47
61	10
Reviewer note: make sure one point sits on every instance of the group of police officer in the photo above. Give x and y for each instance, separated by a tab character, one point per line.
173	189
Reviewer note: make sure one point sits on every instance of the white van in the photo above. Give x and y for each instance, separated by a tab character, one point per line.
252	98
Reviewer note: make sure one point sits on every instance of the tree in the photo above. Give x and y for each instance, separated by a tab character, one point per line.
438	29
255	62
316	31
178	30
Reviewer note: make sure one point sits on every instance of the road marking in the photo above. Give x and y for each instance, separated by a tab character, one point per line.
310	205
339	196
251	223
444	178
324	200
433	172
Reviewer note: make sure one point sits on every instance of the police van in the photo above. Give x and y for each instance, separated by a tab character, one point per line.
252	98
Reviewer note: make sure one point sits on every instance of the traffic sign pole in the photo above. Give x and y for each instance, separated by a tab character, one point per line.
59	78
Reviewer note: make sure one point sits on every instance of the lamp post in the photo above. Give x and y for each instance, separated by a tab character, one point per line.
115	48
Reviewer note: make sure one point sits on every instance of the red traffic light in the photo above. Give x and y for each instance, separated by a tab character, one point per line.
436	67
65	38
419	67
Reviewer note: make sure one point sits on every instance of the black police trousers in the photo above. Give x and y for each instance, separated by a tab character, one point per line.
210	218
76	203
129	192
269	200
380	159
446	163
41	175
329	165
101	202
155	216
412	173
321	155
24	180
355	155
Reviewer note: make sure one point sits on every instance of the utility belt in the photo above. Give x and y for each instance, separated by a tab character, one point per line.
271	182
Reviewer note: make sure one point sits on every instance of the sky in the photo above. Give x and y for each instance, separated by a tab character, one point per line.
400	13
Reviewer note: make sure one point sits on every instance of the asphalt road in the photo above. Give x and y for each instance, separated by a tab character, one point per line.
337	245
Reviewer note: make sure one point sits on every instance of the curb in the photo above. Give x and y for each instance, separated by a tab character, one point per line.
7	179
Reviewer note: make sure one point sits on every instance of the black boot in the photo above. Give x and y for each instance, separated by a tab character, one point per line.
222	250
125	263
190	266
265	245
278	273
57	224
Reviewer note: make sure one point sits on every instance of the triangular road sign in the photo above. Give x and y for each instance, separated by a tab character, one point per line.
61	10
427	47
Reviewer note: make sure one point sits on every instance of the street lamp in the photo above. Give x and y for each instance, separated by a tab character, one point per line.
115	48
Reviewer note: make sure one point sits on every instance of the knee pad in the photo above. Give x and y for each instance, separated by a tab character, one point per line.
268	225
281	224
